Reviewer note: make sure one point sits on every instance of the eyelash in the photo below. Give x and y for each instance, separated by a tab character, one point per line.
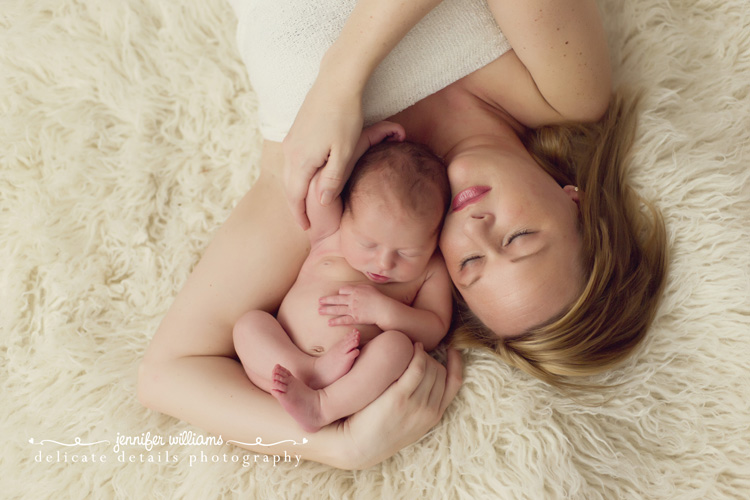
516	235
467	260
510	240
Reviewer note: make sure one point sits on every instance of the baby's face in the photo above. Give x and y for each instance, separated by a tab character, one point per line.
385	243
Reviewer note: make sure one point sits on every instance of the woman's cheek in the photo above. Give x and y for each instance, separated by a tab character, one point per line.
447	241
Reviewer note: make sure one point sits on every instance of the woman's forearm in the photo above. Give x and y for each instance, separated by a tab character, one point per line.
329	122
373	29
189	370
213	393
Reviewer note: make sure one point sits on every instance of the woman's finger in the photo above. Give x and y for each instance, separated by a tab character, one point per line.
333	177
297	182
432	370
435	397
296	202
411	378
453	378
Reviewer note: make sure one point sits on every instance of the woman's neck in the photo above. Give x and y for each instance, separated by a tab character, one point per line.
449	119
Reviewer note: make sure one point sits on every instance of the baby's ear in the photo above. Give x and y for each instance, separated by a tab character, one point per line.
384	131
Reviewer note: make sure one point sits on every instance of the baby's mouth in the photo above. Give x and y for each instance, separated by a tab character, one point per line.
377	278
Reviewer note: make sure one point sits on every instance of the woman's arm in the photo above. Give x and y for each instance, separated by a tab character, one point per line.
328	124
563	47
190	369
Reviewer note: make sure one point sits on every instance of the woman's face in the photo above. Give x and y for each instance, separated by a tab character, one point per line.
510	238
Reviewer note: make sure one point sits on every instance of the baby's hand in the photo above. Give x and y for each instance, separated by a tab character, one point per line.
356	305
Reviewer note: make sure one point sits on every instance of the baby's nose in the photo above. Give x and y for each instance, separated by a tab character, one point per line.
386	261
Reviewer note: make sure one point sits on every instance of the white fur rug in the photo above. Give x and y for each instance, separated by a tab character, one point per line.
128	132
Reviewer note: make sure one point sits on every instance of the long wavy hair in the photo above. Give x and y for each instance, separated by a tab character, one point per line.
623	250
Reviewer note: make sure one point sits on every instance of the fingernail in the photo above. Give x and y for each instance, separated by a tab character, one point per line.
326	197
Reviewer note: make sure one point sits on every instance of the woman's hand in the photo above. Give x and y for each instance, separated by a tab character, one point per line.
324	135
328	124
409	408
327	134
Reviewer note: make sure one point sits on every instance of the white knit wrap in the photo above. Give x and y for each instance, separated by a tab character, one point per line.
283	41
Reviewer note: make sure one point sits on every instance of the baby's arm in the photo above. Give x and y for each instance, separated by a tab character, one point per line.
427	320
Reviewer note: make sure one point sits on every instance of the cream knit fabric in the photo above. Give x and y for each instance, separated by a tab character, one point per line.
283	41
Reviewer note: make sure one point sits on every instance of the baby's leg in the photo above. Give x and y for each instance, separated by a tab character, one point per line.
261	343
381	362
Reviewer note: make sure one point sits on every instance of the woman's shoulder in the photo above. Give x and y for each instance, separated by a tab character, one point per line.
507	86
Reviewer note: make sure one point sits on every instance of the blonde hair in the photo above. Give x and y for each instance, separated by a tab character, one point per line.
623	251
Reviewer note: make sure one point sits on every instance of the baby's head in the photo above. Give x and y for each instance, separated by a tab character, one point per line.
394	205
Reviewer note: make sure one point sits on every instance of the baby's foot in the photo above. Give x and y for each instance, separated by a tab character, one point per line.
334	364
298	400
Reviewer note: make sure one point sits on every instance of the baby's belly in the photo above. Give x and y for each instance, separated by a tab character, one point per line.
309	330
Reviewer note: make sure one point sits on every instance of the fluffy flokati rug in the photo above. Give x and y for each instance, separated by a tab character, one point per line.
127	134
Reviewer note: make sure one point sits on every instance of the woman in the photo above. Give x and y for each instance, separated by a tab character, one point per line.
538	258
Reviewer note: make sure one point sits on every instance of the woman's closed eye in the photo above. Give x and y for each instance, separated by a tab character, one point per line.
515	235
467	260
510	239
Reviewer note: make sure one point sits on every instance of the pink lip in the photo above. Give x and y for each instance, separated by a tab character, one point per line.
469	196
377	278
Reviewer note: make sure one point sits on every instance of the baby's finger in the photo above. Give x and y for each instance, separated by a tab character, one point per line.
333	310
333	300
341	320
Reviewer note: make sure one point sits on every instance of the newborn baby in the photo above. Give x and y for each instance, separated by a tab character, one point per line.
372	285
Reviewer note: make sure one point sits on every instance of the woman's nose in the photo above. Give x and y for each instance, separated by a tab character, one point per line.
478	226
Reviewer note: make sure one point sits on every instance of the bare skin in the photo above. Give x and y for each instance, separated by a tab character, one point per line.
190	369
374	268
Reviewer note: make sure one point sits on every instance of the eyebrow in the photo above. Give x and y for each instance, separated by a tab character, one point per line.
513	261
